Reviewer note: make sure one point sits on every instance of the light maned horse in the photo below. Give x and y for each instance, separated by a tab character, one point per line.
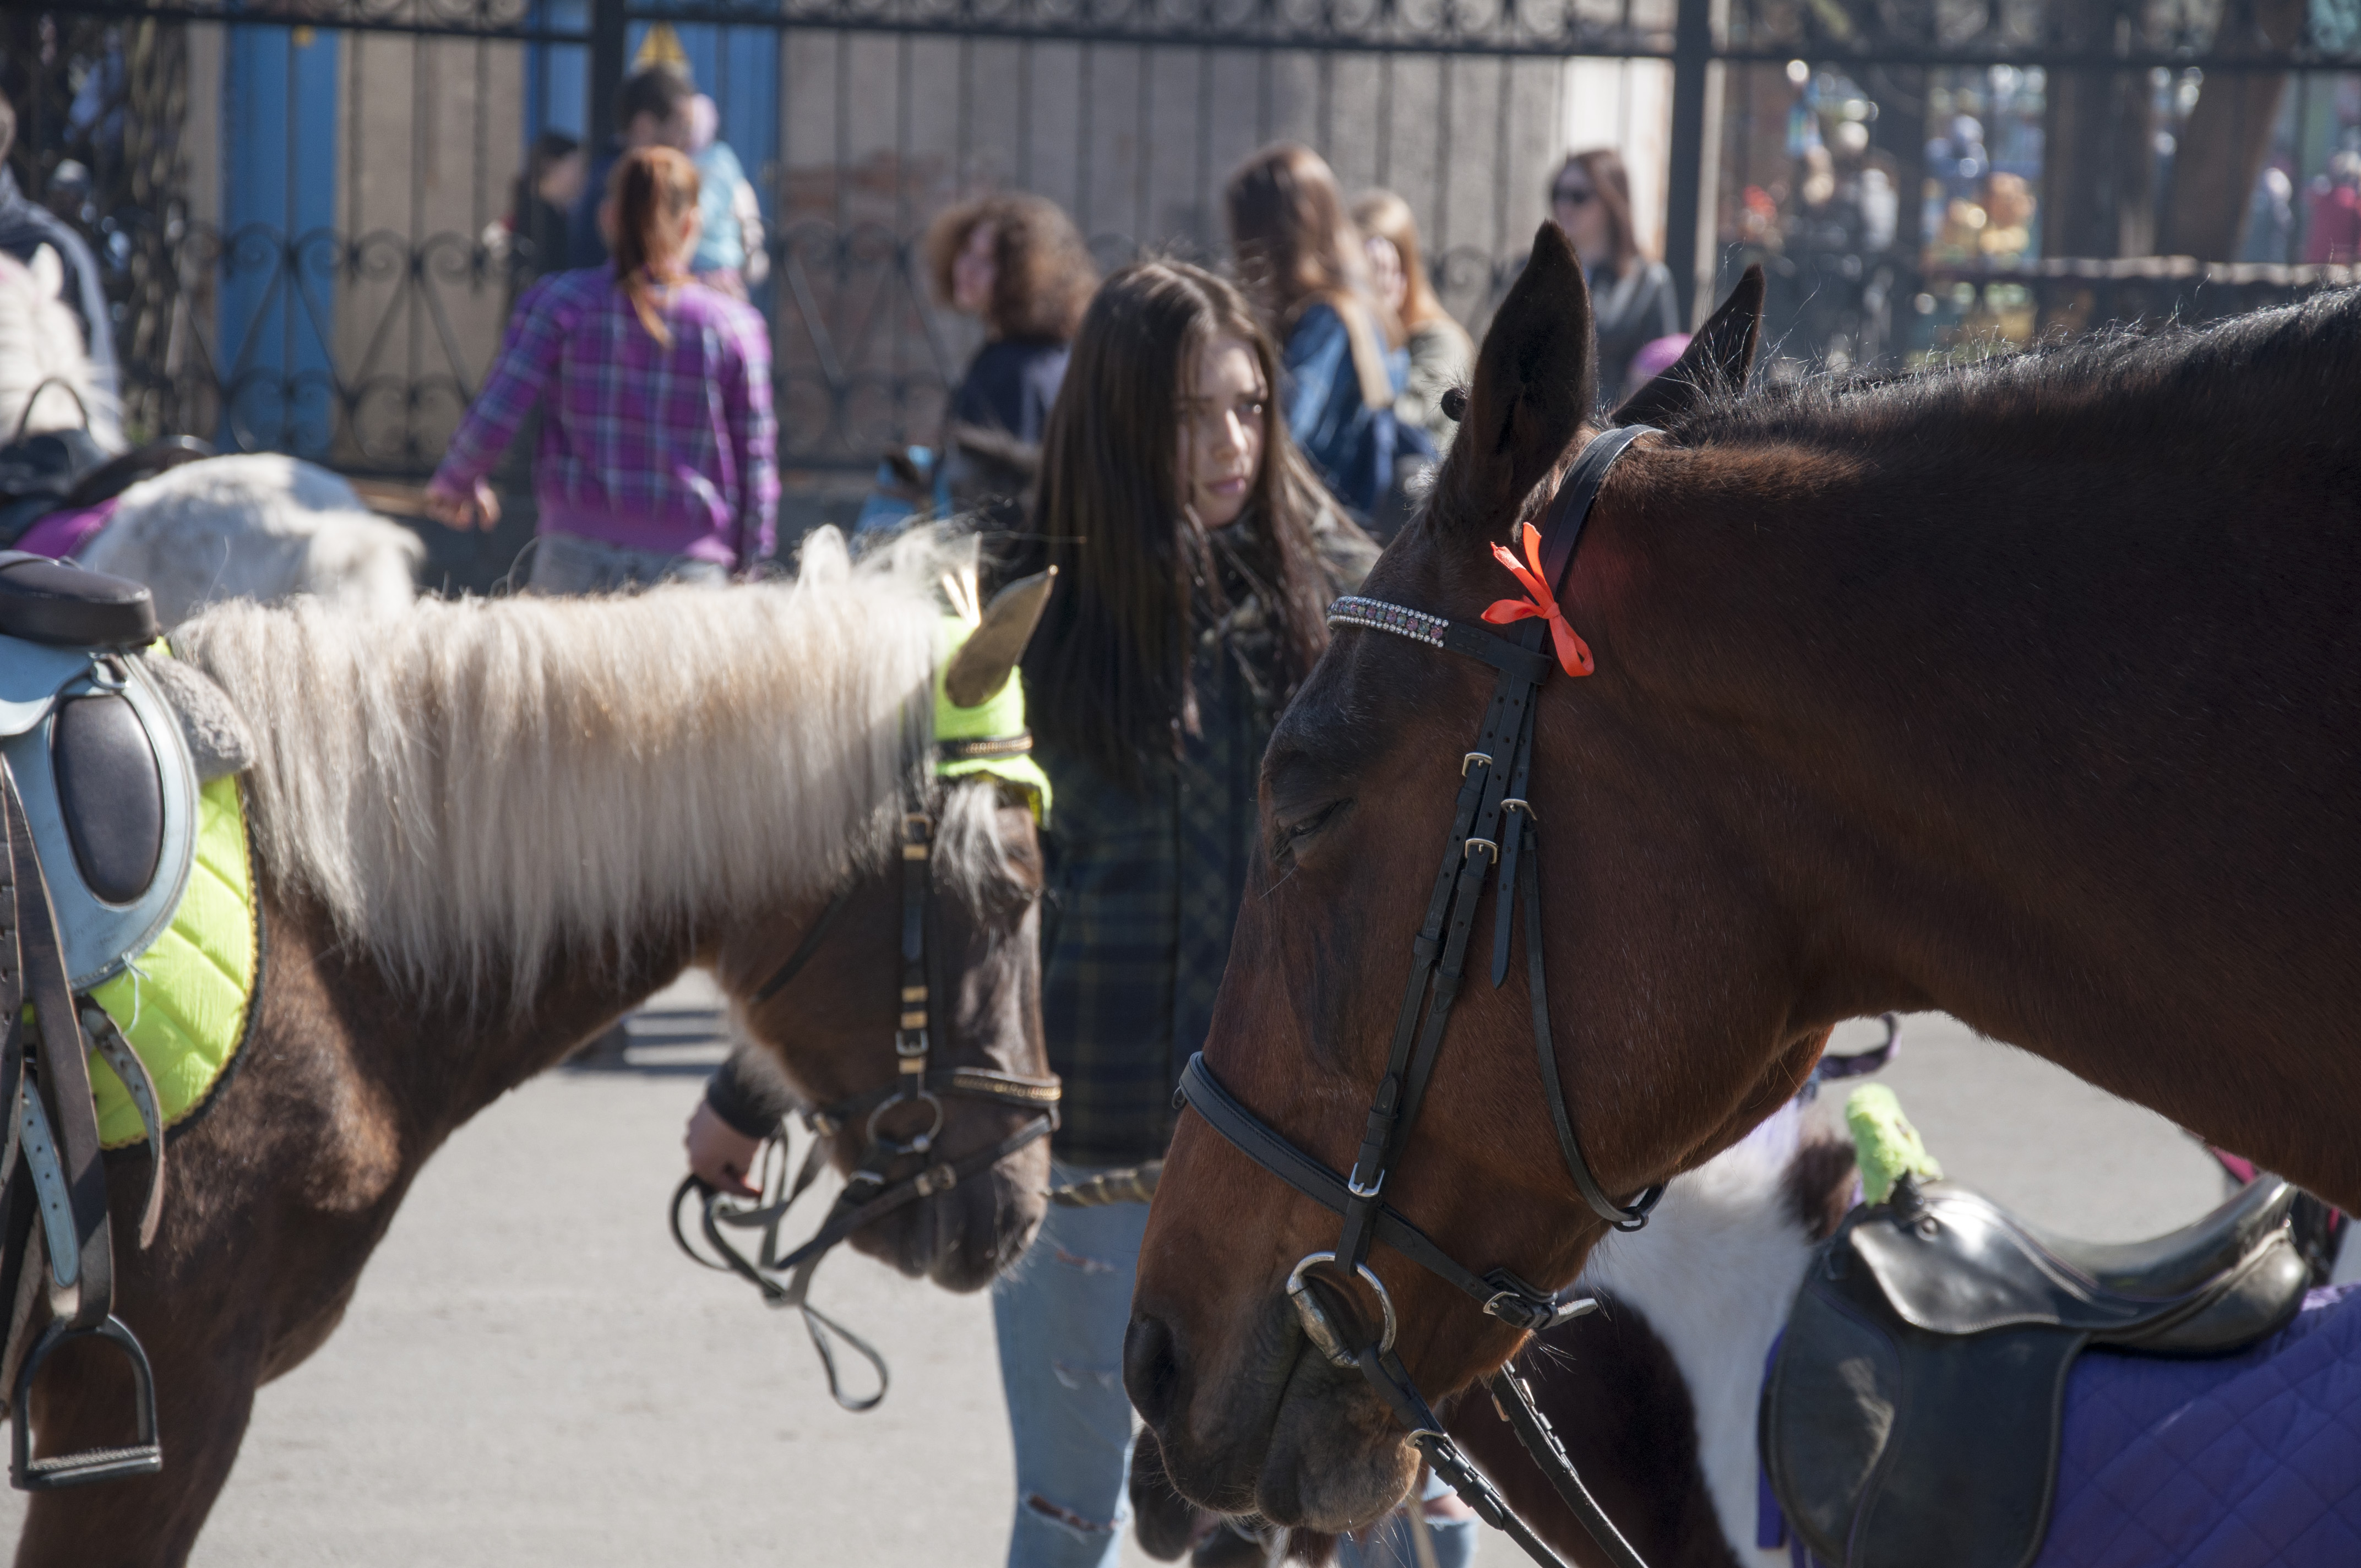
2030	692
483	831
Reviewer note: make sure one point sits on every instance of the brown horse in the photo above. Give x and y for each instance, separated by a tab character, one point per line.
483	831
2029	691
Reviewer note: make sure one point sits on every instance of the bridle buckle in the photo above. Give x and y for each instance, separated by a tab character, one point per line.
1522	1305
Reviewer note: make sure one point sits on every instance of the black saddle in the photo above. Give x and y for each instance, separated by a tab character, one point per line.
1911	1416
43	600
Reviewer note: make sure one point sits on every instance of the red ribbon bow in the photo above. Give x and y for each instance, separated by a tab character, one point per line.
1573	652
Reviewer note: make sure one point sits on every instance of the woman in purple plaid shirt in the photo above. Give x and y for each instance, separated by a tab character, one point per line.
657	457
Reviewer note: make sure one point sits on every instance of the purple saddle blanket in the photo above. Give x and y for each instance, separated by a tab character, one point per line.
2235	1463
2246	1461
64	532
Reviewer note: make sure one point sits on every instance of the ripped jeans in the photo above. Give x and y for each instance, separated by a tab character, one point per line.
1061	1314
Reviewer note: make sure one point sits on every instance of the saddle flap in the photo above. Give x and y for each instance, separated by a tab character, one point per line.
109	792
1886	1444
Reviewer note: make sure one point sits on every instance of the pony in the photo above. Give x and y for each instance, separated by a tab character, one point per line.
483	831
260	526
2023	691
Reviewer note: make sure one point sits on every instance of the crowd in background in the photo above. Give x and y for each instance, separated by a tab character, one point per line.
1366	349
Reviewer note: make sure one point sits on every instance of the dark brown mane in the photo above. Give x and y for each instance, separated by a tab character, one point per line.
2272	378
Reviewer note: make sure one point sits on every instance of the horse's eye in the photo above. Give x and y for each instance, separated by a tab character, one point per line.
1292	836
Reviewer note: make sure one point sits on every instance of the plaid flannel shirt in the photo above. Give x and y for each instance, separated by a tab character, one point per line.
1144	891
649	447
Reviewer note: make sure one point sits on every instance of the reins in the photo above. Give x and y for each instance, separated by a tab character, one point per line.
1493	829
870	1192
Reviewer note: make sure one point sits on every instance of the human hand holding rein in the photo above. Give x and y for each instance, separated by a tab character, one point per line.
719	1155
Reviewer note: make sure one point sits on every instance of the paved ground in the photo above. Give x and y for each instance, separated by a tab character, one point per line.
530	1375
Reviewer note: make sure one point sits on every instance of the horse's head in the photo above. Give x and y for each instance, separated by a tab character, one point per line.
1358	792
832	989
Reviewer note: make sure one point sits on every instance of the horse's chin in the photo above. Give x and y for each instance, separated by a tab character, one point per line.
1332	1458
961	1240
1337	1460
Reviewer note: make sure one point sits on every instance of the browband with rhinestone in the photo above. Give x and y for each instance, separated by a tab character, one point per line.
1380	615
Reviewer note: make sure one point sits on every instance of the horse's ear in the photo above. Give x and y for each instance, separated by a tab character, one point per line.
1717	361
1536	378
981	667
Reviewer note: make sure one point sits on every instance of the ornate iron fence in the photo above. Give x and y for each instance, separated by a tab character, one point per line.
298	203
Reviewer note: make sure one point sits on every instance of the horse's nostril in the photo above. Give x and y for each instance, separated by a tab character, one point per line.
1151	1367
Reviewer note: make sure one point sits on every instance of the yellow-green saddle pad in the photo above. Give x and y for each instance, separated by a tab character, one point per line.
186	1003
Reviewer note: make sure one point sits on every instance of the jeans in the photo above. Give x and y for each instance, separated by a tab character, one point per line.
566	564
1060	1315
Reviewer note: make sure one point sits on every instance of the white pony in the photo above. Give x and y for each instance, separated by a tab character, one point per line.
260	527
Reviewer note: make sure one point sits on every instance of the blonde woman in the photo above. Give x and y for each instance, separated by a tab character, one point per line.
1440	352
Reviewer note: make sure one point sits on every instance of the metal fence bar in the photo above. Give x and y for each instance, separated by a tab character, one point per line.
863	359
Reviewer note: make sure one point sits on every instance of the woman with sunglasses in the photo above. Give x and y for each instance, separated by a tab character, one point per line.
1632	295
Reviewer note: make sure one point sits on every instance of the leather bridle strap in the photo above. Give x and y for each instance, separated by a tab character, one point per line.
795	960
1502	1295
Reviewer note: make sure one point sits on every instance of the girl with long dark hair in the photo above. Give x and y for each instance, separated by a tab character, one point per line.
656	450
1197	554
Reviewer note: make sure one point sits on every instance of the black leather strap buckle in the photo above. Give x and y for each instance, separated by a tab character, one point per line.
1523	1306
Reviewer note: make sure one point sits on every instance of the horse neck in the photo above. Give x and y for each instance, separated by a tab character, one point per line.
470	1056
1948	726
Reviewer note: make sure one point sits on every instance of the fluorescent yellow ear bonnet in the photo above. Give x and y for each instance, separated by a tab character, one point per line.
989	736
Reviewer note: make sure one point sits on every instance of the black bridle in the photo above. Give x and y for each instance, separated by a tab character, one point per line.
1492	828
871	1192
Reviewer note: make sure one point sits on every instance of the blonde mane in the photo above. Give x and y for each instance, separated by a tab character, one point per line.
478	786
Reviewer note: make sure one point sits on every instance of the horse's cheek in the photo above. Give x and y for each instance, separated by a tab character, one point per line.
1327	978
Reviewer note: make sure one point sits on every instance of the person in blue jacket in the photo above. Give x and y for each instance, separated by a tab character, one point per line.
1303	262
